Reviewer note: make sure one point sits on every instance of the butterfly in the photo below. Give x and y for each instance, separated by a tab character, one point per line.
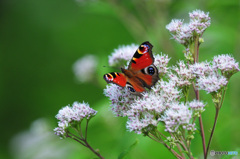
140	74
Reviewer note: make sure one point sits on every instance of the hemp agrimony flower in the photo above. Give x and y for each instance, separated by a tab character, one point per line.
211	83
71	116
177	115
71	122
226	64
184	33
202	69
183	76
161	62
120	99
85	68
199	21
122	54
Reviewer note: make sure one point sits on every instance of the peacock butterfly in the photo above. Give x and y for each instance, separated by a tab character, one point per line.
141	71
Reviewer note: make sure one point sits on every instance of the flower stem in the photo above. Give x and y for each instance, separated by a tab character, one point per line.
196	49
160	140
214	125
202	135
223	95
178	146
196	60
94	151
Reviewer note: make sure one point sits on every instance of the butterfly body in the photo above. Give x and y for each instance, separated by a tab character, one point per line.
140	74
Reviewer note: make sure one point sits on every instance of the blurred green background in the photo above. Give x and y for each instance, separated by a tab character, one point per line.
41	39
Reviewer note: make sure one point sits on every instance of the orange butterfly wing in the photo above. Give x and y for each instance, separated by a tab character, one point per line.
117	78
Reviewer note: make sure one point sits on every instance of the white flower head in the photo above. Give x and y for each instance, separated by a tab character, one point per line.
211	83
59	131
150	102
77	112
183	76
184	32
226	64
197	106
161	62
185	35
167	90
122	54
202	69
199	15
177	115
143	124
85	68
180	32
120	99
68	115
199	21
174	26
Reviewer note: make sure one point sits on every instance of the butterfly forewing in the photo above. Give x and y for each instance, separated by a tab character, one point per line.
117	78
142	58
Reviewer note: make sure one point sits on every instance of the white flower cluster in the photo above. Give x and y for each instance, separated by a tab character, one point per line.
227	64
139	125
161	62
183	33
211	83
70	115
85	68
122	53
161	104
177	115
201	69
199	21
197	106
208	77
144	113
120	99
183	76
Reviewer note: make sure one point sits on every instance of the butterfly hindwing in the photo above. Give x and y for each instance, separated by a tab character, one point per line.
149	76
117	78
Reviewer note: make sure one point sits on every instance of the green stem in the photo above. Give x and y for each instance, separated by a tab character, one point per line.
196	49
86	130
161	134
74	137
223	95
178	146
214	125
186	92
159	139
95	152
218	107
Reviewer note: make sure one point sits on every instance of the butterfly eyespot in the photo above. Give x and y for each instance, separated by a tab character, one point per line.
143	49
130	88
150	70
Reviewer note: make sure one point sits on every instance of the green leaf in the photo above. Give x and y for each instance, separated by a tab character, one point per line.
125	152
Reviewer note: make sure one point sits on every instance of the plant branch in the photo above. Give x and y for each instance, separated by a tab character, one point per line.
196	60
94	151
214	125
159	139
86	130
